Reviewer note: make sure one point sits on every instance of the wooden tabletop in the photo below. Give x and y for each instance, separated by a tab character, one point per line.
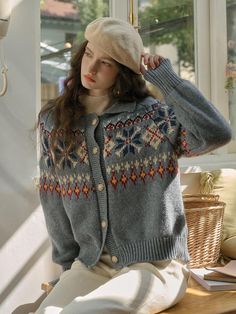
199	300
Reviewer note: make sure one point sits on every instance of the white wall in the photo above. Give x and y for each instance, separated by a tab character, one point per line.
24	248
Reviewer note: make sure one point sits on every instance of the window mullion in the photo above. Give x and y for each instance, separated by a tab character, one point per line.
119	9
202	46
218	39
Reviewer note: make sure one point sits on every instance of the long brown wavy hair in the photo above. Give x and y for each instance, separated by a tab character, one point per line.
67	108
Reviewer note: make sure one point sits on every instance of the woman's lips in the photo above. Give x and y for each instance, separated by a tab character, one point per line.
89	78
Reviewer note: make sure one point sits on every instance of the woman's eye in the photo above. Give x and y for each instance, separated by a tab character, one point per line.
106	63
88	54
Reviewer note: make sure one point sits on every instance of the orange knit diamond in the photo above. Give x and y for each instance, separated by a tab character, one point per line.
45	186
63	191
133	176
171	168
77	191
142	174
124	179
151	172
58	189
114	181
51	186
160	170
69	191
85	190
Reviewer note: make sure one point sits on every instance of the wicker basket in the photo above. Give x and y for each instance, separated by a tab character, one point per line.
204	216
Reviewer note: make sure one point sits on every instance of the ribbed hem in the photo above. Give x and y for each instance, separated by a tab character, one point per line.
153	250
163	77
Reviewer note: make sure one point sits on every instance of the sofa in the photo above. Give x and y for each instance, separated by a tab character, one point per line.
223	183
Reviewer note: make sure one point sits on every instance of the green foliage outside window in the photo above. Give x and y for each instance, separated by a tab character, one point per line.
169	22
89	10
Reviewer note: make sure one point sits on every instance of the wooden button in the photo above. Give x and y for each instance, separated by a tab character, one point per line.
94	121
103	224
100	187
114	259
95	150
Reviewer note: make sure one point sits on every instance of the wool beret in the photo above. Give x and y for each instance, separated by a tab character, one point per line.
118	39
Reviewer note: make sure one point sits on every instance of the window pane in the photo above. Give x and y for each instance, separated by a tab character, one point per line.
62	27
167	28
231	65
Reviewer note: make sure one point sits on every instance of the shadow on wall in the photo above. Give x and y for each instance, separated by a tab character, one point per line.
25	256
17	204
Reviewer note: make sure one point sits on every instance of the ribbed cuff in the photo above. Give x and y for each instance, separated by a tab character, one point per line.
163	77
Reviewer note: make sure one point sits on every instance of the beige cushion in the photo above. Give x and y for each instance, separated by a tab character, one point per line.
223	183
190	182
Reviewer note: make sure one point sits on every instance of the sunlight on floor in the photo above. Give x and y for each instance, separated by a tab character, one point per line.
197	292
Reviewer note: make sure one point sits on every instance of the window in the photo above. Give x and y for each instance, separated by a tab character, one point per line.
62	28
231	62
189	32
70	39
167	28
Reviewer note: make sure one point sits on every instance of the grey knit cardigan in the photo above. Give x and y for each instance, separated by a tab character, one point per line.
118	186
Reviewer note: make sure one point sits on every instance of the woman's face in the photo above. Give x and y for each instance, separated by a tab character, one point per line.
98	71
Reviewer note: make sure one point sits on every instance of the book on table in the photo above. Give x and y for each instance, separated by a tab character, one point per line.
216	278
219	277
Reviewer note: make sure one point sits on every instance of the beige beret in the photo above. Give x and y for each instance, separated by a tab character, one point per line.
118	39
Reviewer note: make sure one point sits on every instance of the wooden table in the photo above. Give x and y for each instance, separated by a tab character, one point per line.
198	300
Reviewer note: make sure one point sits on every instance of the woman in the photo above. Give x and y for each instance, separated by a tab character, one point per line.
110	186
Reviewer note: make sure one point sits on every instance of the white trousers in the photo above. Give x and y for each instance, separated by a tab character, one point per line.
142	288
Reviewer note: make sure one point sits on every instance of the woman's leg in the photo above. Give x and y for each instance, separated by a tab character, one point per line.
78	281
139	289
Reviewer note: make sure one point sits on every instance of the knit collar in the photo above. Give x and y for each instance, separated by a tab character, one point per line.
118	107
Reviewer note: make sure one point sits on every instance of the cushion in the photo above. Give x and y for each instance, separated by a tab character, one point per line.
190	182
223	183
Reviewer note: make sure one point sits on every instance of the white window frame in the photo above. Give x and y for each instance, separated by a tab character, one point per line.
210	60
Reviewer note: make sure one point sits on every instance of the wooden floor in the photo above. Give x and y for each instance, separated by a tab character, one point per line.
200	301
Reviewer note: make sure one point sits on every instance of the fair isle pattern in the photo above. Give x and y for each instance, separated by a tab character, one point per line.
133	121
122	138
129	139
165	119
184	144
119	175
67	186
66	156
45	150
152	136
139	171
163	116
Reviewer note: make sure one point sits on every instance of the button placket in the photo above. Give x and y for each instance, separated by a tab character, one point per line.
94	138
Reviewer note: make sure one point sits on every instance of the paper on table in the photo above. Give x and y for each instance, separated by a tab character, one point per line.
229	269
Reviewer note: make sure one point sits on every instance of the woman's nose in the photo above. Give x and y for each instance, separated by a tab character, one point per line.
93	68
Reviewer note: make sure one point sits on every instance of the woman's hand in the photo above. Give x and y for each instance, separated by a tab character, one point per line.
149	62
